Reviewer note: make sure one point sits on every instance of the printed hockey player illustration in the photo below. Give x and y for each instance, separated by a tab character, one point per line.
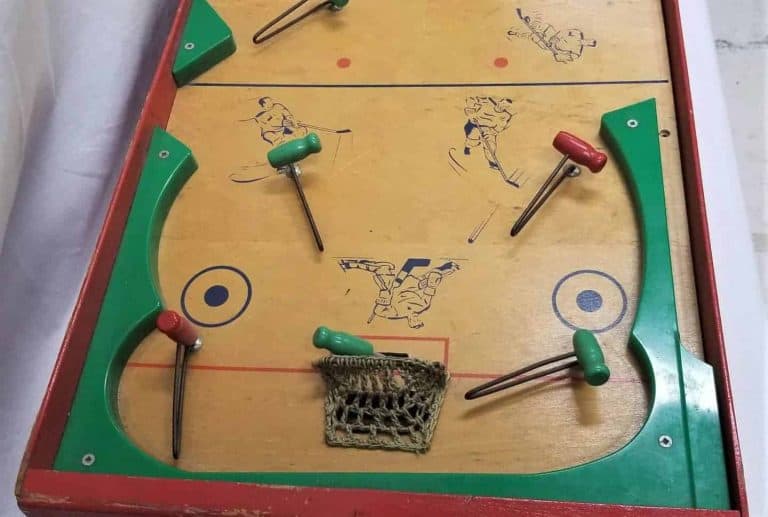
276	122
402	294
487	118
277	125
566	46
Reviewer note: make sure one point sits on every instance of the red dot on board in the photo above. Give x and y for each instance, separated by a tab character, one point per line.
343	62
500	62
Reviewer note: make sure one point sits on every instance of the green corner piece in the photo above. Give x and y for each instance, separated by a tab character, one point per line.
207	40
93	440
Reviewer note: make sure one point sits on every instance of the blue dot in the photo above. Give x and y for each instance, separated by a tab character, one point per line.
216	295
589	300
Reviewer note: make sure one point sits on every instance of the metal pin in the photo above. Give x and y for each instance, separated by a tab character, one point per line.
545	191
334	5
514	379
587	354
179	382
574	149
294	172
187	341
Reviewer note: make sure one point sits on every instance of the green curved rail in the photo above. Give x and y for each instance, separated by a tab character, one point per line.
675	460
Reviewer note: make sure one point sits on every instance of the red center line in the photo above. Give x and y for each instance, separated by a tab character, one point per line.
444	340
224	368
265	369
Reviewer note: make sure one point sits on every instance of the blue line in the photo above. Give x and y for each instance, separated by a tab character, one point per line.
428	85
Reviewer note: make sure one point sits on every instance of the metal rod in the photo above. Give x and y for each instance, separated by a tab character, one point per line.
545	191
514	379
179	380
295	173
258	38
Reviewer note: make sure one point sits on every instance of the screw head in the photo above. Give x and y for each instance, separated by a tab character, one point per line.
573	171
163	154
88	459
665	441
189	46
632	123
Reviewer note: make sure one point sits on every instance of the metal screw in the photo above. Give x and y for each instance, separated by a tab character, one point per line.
632	123
665	441
88	459
189	46
163	154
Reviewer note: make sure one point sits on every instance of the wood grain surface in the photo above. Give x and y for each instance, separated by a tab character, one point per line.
388	191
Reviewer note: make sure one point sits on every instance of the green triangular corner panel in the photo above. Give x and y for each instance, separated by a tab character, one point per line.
206	41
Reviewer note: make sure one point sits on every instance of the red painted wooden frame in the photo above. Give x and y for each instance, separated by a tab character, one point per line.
43	491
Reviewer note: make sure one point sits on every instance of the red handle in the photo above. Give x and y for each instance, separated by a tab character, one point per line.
176	327
580	151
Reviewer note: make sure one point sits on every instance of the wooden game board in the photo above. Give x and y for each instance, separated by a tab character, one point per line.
394	182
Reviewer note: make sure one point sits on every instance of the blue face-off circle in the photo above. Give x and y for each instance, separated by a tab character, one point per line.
589	300
216	296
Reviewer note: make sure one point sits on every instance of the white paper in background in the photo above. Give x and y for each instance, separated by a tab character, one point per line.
26	89
73	75
742	311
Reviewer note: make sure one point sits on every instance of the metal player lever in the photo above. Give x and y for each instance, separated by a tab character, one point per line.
333	5
180	330
285	159
574	149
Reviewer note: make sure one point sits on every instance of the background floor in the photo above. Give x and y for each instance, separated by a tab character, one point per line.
73	105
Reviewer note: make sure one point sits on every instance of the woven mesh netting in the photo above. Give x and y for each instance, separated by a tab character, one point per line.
382	402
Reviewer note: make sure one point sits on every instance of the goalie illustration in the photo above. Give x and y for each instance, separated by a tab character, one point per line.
403	294
566	46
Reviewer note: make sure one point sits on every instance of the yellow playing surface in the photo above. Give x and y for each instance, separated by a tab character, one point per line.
425	94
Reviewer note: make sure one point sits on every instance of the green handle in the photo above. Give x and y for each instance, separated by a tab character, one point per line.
294	151
590	357
338	4
341	343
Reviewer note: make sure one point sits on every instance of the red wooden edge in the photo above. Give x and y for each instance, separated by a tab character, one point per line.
704	269
42	491
75	492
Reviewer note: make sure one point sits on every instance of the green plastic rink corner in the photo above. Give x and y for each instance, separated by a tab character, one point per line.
205	42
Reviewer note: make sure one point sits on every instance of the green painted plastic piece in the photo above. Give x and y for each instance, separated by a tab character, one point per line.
206	41
676	459
341	343
590	357
294	151
339	4
130	307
